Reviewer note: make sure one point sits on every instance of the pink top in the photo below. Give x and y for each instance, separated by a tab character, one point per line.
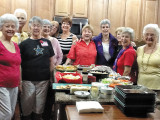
57	51
9	67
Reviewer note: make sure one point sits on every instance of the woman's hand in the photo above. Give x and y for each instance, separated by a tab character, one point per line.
68	61
20	87
133	44
127	70
74	39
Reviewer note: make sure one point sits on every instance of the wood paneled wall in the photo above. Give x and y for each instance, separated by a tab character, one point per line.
129	13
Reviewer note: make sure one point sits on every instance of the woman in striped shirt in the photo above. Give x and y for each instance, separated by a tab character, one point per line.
66	38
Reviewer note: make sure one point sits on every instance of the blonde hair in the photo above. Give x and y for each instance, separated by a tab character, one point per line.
89	27
119	29
57	32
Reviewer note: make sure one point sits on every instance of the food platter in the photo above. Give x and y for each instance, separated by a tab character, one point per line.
75	78
66	68
112	82
65	87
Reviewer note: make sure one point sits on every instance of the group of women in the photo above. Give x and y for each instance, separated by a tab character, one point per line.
37	55
28	66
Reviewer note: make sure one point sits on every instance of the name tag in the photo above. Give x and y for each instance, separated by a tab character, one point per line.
44	44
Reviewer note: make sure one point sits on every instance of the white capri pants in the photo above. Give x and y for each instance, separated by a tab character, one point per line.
33	96
8	100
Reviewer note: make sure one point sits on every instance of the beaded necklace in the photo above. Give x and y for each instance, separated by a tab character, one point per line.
145	68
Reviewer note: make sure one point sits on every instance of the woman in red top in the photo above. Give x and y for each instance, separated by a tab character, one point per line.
127	55
84	51
9	66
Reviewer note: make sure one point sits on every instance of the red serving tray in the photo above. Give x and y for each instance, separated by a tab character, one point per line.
59	77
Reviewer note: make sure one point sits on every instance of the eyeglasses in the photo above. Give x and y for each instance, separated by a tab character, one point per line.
65	23
149	35
36	25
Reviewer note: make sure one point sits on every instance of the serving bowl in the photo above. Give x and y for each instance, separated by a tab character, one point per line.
82	94
107	90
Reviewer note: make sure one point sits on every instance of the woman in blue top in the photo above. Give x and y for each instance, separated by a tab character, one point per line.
106	45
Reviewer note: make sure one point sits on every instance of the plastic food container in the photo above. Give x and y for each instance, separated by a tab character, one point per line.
107	90
98	84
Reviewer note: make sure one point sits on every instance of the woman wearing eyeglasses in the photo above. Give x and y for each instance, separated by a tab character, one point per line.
66	38
37	67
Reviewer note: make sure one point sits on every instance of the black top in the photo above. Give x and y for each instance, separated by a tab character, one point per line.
35	56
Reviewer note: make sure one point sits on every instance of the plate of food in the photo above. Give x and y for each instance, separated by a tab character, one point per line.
70	88
66	68
69	77
112	82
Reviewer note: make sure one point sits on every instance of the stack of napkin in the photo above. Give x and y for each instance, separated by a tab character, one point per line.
89	106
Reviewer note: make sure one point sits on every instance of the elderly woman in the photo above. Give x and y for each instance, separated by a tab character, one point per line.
54	29
10	61
148	59
118	36
37	67
20	36
127	55
84	51
106	45
66	38
46	29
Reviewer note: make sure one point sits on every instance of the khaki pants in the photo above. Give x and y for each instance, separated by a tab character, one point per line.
33	96
8	100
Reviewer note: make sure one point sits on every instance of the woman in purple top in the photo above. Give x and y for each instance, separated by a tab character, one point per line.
106	45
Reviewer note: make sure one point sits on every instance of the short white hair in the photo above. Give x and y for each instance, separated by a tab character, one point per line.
152	26
130	31
19	10
9	17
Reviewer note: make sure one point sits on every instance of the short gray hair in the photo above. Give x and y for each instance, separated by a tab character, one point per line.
152	26
20	11
105	21
9	17
35	19
46	22
130	31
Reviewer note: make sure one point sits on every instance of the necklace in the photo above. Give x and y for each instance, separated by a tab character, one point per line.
145	68
106	40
